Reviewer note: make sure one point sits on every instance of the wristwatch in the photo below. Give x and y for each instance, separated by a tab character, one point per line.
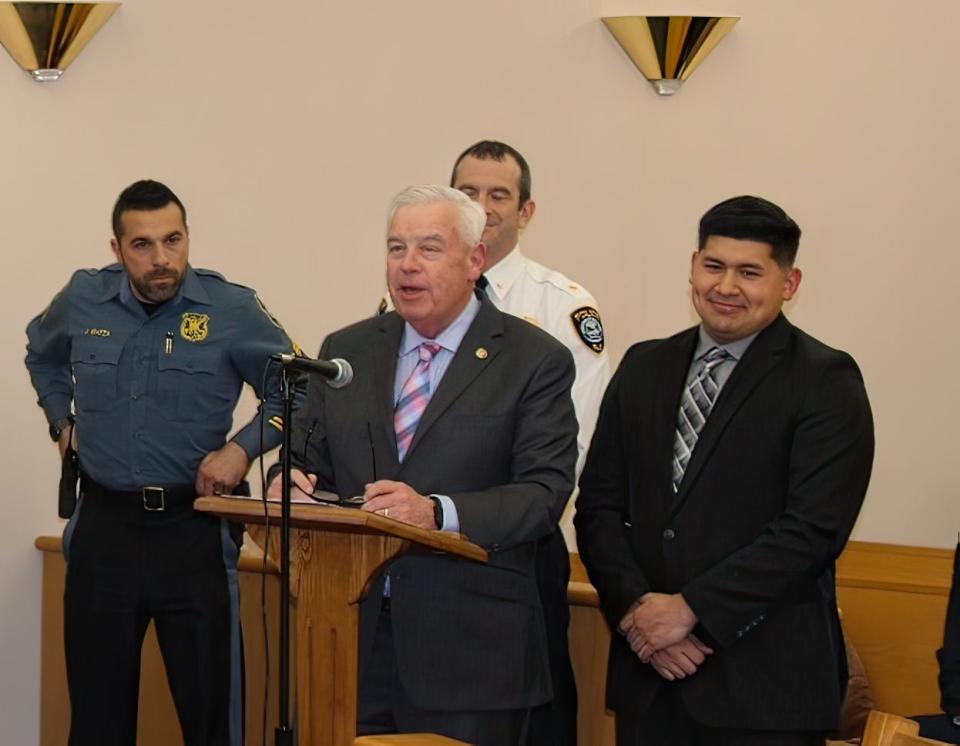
437	511
57	428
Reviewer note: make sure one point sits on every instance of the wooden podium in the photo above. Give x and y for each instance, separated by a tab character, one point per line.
335	554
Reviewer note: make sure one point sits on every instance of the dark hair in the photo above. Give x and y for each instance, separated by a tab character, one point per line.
144	195
497	151
753	219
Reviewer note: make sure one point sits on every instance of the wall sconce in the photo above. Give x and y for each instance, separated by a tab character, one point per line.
667	49
45	37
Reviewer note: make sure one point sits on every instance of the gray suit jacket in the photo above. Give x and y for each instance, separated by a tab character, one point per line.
499	438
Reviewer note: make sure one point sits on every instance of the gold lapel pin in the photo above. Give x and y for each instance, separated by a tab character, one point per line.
481	353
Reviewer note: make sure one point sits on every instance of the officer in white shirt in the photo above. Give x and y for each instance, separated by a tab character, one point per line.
497	177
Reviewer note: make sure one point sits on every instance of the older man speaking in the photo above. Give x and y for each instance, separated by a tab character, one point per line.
459	418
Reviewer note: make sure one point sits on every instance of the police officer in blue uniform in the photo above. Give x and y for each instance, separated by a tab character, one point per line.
138	366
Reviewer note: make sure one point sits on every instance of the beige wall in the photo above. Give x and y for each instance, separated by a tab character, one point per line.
287	126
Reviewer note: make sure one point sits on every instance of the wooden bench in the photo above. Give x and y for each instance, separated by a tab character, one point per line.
883	727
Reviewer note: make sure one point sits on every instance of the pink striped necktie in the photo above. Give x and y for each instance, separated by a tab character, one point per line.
413	400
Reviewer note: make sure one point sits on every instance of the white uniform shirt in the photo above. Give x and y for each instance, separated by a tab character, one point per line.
521	287
566	310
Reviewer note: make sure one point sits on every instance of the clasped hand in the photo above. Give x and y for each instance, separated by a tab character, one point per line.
659	629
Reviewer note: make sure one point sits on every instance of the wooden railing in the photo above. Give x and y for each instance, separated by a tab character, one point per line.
892	598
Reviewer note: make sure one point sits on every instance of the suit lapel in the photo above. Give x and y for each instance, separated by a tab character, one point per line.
485	332
759	359
385	349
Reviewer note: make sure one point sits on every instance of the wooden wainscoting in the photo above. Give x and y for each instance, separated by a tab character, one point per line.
589	646
893	601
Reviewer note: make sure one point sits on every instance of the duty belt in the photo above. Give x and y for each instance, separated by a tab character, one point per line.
153	498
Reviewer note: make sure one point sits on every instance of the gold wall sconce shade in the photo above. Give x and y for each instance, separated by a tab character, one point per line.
45	37
667	49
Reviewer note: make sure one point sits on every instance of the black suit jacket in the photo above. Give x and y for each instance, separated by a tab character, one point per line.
499	438
949	655
767	502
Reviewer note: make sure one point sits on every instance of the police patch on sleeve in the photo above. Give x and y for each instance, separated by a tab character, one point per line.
586	321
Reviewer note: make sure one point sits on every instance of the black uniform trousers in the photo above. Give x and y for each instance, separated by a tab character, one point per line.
667	723
126	566
554	723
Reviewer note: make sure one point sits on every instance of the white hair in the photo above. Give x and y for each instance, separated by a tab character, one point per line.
473	218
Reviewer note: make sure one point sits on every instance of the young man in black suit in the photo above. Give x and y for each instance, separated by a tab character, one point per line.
728	467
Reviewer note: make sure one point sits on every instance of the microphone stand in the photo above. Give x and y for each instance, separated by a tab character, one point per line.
338	374
285	735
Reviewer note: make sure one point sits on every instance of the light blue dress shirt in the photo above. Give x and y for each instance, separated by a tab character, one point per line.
408	357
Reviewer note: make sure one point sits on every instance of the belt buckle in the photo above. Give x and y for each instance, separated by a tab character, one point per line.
154	499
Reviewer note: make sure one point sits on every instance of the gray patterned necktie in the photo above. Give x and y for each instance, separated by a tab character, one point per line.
695	405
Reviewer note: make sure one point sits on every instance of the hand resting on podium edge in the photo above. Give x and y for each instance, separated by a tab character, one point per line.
394	500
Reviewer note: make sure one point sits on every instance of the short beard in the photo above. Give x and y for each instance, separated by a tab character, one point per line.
157	295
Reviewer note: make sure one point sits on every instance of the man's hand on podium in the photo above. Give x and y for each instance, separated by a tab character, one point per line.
401	502
302	487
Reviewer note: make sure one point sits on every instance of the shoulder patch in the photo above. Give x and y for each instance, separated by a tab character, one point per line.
586	320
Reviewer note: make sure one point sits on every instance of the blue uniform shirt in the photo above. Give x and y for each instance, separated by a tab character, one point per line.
155	394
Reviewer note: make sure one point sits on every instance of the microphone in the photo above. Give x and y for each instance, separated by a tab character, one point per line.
338	371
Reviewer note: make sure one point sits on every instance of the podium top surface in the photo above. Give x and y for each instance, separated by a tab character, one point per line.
334	518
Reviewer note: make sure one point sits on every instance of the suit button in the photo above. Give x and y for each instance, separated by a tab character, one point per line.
669	534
